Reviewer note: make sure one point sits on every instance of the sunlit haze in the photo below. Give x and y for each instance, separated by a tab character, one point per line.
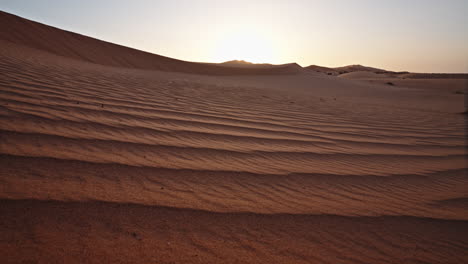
419	36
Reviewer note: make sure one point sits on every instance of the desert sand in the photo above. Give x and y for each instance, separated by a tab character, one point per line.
113	155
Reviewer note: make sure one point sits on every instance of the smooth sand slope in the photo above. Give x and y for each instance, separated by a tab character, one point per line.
112	161
76	46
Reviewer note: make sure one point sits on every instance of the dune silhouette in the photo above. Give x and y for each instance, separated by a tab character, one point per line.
25	32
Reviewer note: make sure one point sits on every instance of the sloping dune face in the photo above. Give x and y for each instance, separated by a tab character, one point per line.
111	164
25	32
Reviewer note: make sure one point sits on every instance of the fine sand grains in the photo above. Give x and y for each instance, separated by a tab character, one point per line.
127	165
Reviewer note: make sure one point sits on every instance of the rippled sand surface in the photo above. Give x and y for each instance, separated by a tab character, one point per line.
115	164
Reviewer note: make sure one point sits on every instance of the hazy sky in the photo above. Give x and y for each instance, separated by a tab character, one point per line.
420	36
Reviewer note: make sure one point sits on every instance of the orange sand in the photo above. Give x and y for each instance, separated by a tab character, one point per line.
110	154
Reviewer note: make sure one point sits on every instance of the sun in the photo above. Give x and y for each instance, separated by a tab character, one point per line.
246	44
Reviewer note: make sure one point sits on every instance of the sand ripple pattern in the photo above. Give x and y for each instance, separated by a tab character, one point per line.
282	157
270	175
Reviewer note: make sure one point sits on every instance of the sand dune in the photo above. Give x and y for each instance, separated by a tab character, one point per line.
108	157
440	83
71	45
345	69
434	76
244	64
361	68
357	75
321	69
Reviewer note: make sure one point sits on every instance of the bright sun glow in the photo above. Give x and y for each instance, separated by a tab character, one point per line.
247	45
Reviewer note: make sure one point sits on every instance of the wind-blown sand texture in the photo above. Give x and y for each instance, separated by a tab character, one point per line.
109	154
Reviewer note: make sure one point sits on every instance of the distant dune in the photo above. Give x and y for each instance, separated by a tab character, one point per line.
357	75
365	72
242	63
293	67
113	155
289	68
322	69
344	69
21	31
434	75
354	68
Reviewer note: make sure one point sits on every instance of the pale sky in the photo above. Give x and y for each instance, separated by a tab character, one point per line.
417	36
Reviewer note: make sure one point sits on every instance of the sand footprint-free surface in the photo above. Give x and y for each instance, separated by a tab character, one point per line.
144	159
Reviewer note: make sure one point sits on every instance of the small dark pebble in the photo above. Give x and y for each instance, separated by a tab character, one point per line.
136	236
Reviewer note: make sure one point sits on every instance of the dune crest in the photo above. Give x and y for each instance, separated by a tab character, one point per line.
72	45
